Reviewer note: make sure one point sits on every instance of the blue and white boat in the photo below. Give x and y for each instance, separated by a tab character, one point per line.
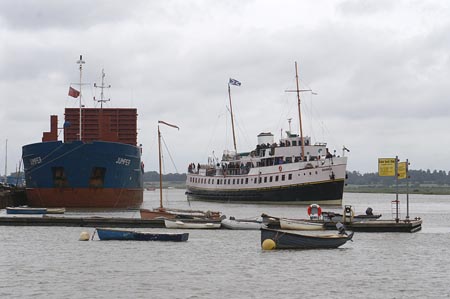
131	235
25	210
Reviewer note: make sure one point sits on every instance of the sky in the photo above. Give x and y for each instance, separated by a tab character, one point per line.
379	70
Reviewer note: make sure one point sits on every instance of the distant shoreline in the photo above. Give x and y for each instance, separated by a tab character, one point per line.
434	190
431	190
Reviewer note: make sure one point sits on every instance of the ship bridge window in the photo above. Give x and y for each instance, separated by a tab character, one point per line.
294	142
265	179
97	178
276	178
59	177
290	176
283	177
270	179
246	180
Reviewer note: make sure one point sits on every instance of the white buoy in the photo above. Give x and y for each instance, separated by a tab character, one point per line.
84	236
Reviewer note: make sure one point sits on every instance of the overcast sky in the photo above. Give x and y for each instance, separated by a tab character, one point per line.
381	71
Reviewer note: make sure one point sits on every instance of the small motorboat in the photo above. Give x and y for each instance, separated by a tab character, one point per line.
349	216
279	239
294	224
242	224
194	224
164	213
130	235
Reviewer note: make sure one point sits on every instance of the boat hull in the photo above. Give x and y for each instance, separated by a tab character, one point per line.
286	240
80	174
127	235
191	224
241	224
26	211
300	225
328	192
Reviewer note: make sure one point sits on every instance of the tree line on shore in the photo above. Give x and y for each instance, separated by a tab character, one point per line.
417	177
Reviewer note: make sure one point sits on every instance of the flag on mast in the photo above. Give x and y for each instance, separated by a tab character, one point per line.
167	124
73	92
234	82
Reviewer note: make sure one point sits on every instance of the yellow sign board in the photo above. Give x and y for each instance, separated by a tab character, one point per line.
386	166
402	170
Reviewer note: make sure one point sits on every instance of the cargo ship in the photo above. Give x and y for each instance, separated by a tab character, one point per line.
96	165
293	170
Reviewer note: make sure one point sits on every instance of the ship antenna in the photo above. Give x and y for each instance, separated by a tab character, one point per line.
102	87
80	62
289	121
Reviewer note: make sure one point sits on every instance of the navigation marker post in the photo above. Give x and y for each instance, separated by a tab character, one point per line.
392	167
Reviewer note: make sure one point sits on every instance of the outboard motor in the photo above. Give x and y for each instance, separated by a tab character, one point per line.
341	229
369	211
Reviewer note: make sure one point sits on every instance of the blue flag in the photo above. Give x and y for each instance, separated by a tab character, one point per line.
234	82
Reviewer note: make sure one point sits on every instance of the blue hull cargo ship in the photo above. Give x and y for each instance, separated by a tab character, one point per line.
98	165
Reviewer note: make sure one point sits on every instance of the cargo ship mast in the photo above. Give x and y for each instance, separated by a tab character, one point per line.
102	87
80	63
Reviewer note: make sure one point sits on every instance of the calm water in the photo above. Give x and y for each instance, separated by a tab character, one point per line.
50	262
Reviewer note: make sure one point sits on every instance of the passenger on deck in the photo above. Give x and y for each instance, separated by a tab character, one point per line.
329	155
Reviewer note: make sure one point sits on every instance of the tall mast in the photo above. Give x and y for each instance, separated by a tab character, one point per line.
80	63
298	91
160	160
232	118
160	169
6	161
299	113
102	87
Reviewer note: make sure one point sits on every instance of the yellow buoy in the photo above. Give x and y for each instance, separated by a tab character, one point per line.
268	244
84	236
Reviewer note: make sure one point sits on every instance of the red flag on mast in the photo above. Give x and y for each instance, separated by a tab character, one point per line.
73	92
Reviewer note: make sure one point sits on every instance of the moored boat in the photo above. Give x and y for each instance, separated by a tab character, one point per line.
25	210
56	210
294	224
242	224
348	216
191	224
278	239
131	235
293	170
165	213
97	165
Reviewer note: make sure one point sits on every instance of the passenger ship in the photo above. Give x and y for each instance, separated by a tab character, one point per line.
291	171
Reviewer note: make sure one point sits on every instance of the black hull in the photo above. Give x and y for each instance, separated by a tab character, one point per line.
328	192
287	240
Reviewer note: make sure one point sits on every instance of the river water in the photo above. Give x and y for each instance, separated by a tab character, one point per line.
50	262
